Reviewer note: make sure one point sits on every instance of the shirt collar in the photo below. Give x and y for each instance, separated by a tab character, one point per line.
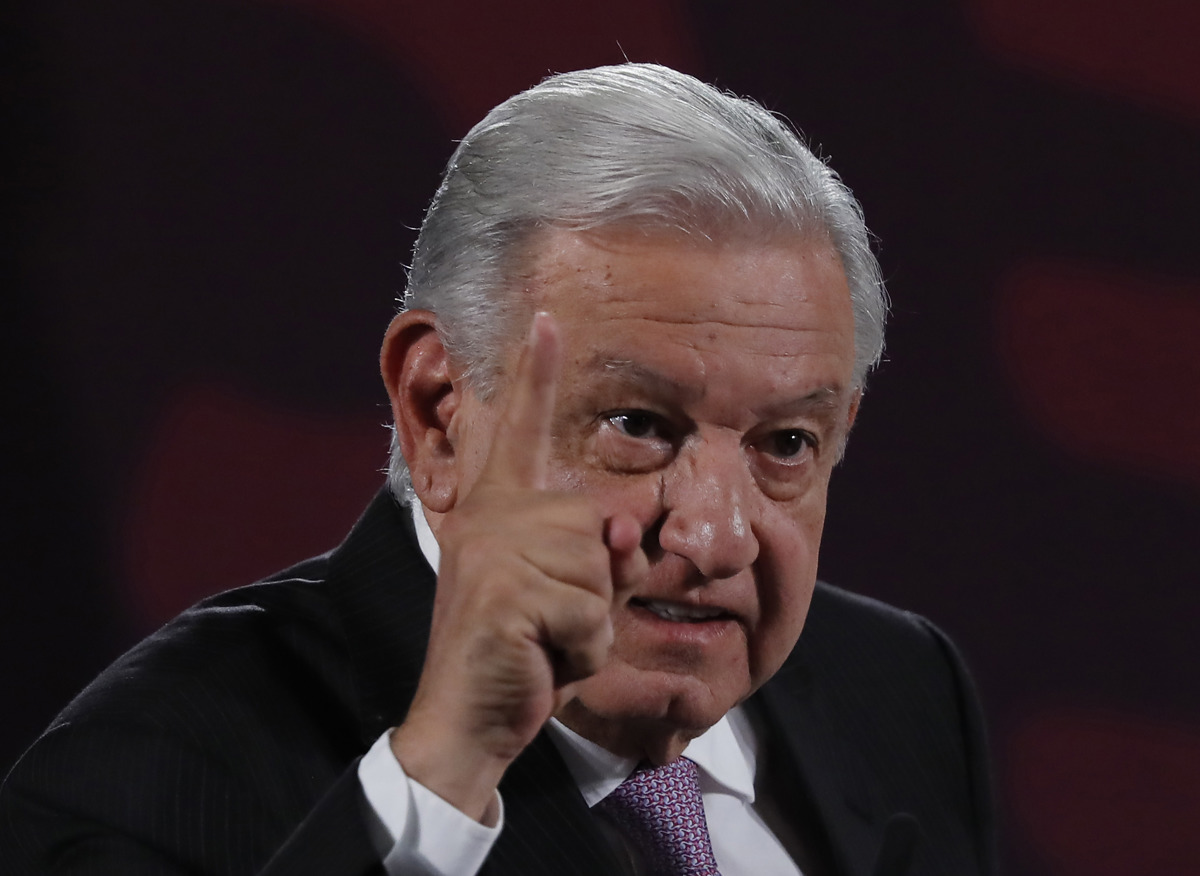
727	753
425	538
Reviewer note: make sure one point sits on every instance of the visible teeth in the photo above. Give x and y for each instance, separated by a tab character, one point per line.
674	611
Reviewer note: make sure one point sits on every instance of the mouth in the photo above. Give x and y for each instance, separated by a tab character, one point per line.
678	612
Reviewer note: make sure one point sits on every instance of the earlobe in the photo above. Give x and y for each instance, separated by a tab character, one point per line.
417	372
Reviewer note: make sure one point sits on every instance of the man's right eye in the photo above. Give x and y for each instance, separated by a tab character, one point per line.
636	424
632	440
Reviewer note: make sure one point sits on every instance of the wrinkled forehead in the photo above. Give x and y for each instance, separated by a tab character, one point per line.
775	303
545	256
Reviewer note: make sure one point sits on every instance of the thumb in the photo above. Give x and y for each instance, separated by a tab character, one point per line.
628	562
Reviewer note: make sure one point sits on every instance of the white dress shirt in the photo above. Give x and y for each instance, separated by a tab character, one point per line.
419	834
727	755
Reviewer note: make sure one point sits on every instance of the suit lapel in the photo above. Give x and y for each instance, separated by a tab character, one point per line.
833	776
383	589
548	826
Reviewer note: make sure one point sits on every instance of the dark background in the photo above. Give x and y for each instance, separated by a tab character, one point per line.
207	210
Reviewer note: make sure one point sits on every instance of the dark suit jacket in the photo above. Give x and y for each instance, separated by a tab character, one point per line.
227	742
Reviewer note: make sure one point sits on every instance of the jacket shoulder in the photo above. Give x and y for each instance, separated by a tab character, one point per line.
898	695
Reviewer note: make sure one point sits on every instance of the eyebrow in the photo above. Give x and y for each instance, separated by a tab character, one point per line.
822	400
635	372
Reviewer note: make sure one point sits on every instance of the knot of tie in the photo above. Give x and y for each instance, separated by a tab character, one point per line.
660	811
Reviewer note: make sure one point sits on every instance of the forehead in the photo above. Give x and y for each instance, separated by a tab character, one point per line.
777	305
714	277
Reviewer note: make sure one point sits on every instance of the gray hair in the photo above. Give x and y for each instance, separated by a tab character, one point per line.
628	145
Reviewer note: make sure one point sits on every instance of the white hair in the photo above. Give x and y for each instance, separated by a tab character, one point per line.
630	145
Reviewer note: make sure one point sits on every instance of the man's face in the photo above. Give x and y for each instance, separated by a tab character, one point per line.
706	391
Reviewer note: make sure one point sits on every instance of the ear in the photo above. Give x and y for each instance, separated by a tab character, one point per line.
418	375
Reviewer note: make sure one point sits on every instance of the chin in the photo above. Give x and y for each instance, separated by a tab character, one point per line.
651	712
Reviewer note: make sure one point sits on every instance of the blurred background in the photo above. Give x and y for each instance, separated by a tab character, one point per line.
207	209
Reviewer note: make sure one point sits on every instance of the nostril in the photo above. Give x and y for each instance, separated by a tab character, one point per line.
651	545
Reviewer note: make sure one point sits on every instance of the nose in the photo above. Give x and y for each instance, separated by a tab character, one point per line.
708	506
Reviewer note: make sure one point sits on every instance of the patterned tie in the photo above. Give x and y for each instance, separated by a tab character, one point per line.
660	812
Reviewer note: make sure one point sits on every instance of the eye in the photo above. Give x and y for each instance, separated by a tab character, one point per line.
788	443
637	424
632	441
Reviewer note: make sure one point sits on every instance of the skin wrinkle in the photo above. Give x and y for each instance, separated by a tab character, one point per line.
824	398
767	325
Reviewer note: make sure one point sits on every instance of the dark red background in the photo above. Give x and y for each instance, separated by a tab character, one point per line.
208	207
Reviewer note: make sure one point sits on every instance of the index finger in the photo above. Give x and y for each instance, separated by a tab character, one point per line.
520	450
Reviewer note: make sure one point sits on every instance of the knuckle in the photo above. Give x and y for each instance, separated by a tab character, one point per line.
595	654
586	615
594	613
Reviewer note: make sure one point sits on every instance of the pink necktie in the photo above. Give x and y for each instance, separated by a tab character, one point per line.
660	812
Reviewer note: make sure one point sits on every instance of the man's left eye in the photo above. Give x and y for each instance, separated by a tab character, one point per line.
789	443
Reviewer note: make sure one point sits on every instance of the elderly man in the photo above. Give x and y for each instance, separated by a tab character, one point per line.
637	329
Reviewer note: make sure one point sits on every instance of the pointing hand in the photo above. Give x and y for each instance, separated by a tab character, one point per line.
524	600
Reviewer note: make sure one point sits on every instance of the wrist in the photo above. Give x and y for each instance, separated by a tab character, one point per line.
459	772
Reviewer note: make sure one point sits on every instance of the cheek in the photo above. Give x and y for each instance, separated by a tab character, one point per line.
779	632
787	576
633	494
472	441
